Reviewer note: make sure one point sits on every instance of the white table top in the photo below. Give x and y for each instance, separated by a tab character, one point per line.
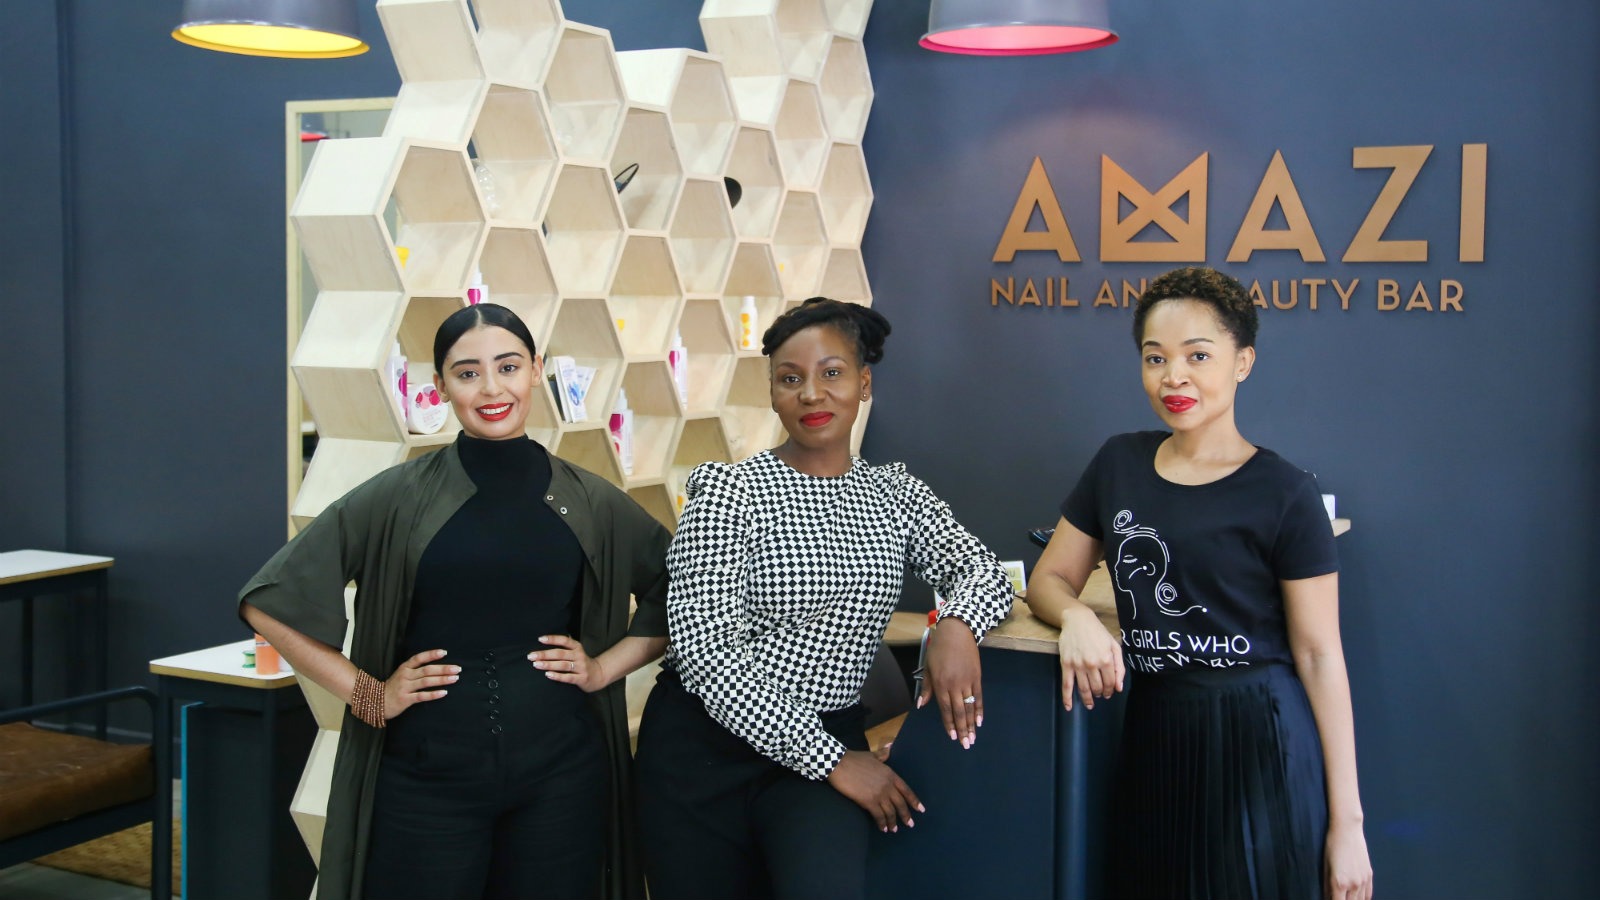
32	565
223	664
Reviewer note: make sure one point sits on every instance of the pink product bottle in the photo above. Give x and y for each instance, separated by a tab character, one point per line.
477	292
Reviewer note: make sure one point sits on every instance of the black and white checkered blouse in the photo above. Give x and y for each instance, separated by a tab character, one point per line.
782	584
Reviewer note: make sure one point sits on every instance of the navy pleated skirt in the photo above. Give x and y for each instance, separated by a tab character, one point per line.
1219	789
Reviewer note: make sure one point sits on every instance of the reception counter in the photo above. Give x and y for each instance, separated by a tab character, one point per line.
1022	813
1011	816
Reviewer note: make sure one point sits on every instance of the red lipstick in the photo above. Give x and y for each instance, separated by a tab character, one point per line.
1178	404
494	413
816	419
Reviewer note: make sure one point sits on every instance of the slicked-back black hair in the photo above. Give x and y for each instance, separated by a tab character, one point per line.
1225	295
467	318
865	327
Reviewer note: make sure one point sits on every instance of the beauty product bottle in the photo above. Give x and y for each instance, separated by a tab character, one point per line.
621	425
747	324
678	361
426	411
478	292
396	371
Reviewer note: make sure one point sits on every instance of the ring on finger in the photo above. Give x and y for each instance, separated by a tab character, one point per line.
970	698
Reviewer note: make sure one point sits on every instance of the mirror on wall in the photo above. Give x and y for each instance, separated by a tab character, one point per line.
306	124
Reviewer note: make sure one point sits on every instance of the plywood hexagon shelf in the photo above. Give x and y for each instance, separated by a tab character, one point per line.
754	165
702	236
585	230
584	92
802	135
800	245
709	344
435	50
517	270
645	170
846	90
517	38
751	182
755	275
646	295
846	195
514	144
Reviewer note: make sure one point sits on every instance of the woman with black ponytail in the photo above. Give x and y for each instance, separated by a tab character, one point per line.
754	774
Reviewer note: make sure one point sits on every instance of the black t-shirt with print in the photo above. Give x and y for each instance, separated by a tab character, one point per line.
1196	568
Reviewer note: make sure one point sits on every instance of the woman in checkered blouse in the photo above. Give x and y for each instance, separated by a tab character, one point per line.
754	775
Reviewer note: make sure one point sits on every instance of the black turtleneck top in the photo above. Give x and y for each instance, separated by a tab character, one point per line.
505	568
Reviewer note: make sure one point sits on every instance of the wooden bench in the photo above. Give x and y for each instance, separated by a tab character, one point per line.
58	790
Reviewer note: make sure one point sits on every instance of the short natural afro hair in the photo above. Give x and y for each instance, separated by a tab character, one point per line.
866	327
1225	296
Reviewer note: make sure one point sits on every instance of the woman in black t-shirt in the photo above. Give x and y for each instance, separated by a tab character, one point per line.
1236	775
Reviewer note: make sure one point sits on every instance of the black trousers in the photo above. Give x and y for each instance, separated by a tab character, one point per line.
719	820
498	790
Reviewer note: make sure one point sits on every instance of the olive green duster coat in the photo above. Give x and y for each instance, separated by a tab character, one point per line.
375	536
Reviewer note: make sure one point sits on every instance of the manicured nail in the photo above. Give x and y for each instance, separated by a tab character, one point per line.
921	808
544	640
966	744
550	675
455	670
980	720
538	665
920	701
530	655
911	823
952	734
442	693
454	678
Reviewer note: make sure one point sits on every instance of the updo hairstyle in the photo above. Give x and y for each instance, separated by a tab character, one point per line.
863	326
1226	297
467	318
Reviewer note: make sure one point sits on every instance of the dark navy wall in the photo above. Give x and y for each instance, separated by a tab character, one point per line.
1459	444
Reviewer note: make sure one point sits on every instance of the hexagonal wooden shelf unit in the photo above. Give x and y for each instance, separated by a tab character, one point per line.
585	230
771	118
691	87
846	90
517	38
646	296
709	344
702	236
584	92
848	17
657	418
800	245
435	49
754	167
802	135
645	170
754	274
513	141
747	414
845	277
516	269
846	194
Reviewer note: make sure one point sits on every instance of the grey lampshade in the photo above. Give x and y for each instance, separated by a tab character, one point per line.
1017	27
285	28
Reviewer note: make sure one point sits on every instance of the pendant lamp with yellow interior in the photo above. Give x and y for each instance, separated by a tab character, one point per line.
292	29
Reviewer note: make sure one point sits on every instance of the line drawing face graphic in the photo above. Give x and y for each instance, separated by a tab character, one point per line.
1140	566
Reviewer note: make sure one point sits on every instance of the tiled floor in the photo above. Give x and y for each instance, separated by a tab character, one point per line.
31	882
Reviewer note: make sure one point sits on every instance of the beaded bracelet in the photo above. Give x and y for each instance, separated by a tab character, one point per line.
366	700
